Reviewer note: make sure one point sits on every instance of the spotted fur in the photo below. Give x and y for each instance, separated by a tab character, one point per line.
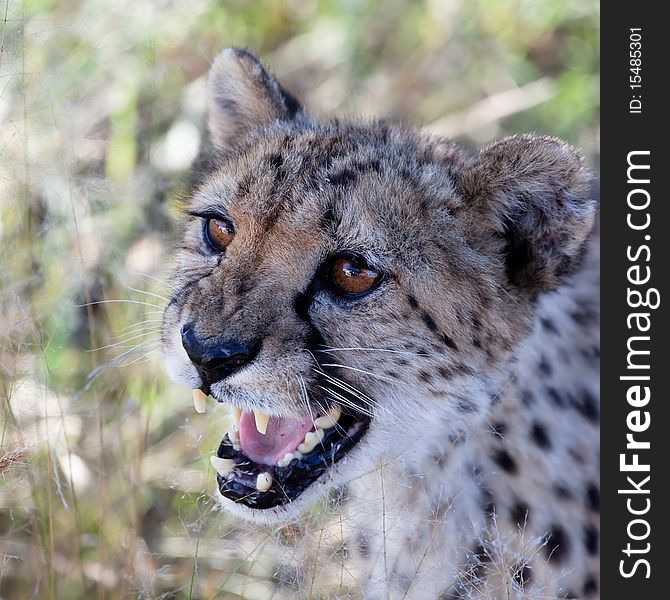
476	357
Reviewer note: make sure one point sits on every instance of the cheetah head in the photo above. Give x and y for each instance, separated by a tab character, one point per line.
352	289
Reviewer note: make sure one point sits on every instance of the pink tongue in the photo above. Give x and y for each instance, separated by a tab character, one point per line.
282	436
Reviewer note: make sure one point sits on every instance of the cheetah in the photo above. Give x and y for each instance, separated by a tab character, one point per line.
402	325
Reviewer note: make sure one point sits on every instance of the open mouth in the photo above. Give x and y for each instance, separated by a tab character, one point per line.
267	461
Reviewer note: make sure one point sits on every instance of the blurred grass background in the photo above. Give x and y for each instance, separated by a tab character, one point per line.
105	486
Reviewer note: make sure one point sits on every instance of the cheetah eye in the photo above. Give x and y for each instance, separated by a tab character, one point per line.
219	233
352	276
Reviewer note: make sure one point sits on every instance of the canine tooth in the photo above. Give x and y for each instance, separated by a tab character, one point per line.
234	436
223	466
261	421
199	401
236	413
312	438
263	482
330	418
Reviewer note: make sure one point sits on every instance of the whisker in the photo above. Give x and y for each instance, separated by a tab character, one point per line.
145	292
112	301
120	342
331	349
133	325
342	384
362	371
305	397
157	279
346	402
93	375
142	358
349	388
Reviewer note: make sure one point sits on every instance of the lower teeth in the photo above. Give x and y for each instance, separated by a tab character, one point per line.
263	482
223	466
288	457
312	439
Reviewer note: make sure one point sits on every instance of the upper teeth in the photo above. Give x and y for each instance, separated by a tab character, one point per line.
312	438
235	414
261	422
329	419
199	401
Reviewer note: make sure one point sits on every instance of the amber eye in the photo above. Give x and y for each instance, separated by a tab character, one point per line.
219	233
352	276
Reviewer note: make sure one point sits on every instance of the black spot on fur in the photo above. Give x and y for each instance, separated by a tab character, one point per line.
591	539
487	504
244	186
584	317
540	436
429	321
527	398
549	325
505	461
558	544
587	406
329	221
590	586
520	514
411	299
343	178
556	397
456	438
425	376
372	165
593	497
576	456
562	492
445	372
276	160
522	575
545	367
463	368
466	405
449	342
498	429
440	459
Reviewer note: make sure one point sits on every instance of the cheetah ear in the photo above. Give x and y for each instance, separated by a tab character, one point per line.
535	193
242	95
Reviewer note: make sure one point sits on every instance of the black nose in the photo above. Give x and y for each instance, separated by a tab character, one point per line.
216	359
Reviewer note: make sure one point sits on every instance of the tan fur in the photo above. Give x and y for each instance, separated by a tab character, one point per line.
463	335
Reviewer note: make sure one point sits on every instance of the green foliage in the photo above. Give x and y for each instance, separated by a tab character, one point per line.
104	472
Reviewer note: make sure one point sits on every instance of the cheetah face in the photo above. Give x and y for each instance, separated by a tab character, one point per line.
343	287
